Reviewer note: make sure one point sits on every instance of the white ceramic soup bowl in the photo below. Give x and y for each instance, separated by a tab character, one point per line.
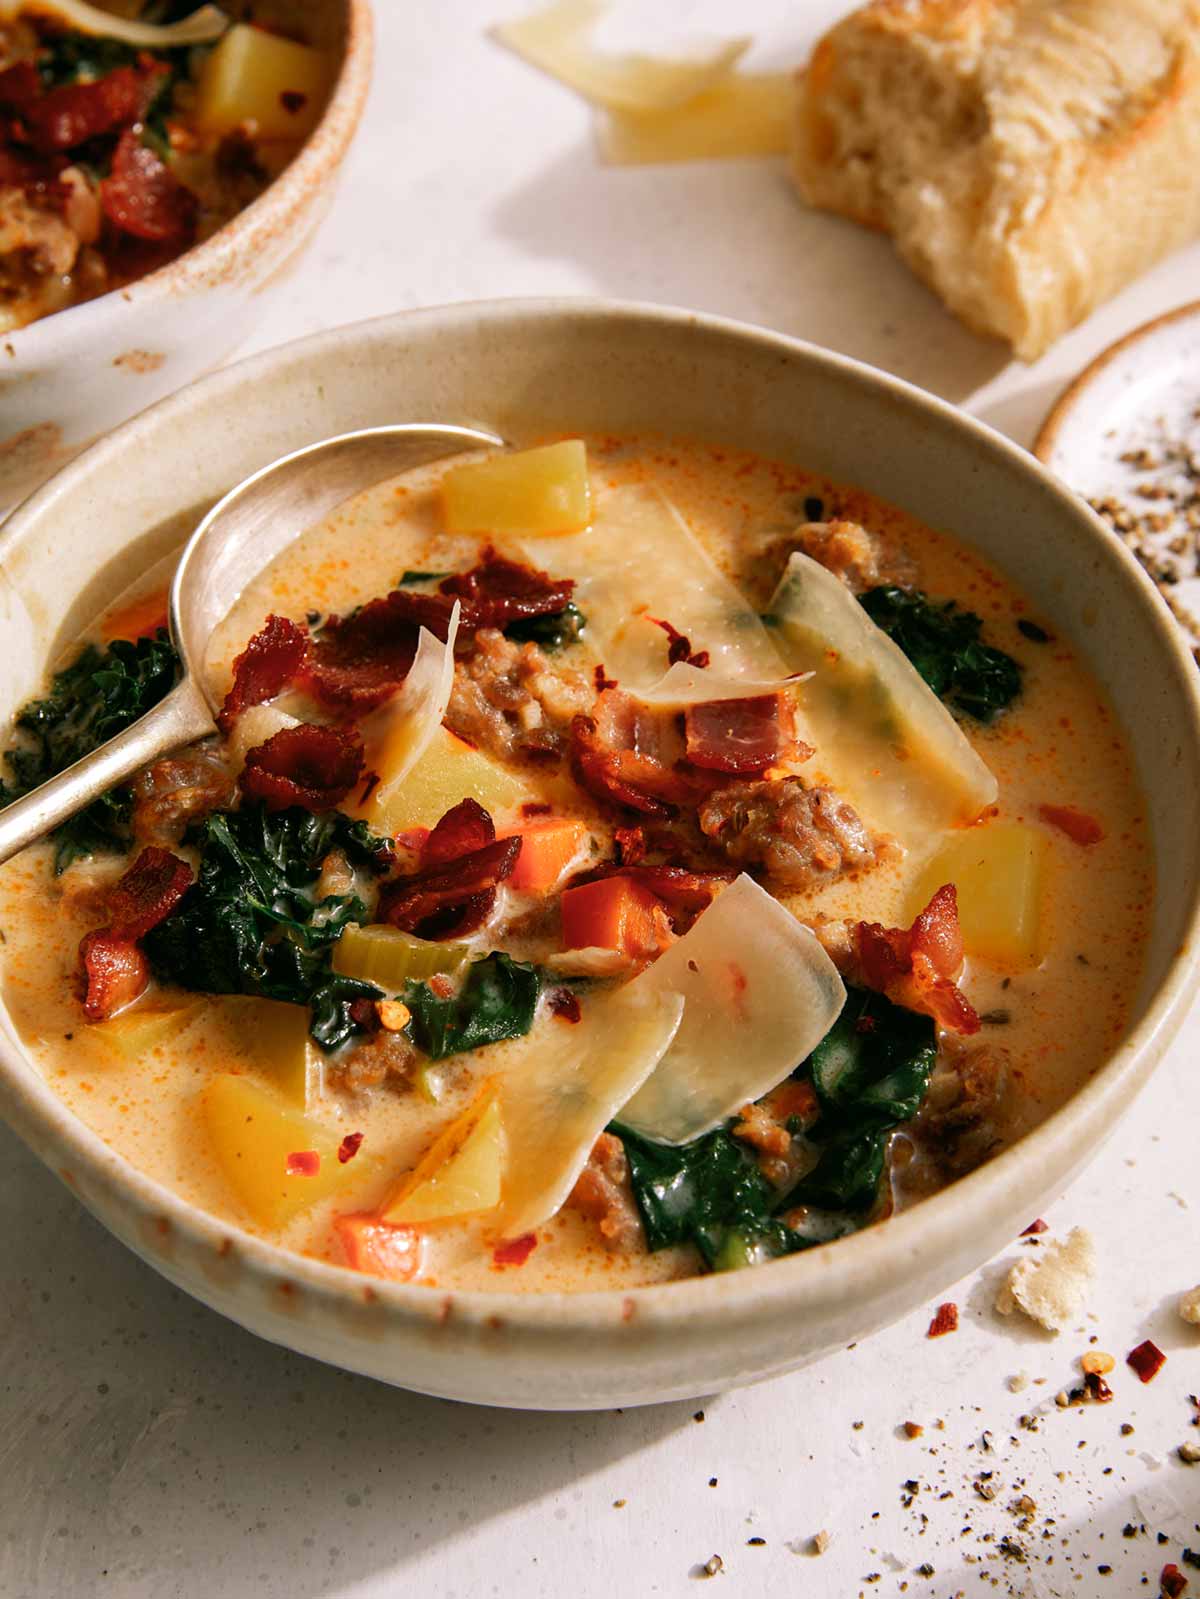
71	376
519	367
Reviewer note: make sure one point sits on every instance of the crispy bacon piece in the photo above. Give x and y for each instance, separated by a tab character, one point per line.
1079	827
462	830
349	1147
59	119
314	767
272	661
745	736
143	197
147	893
360	659
916	966
115	972
632	755
499	591
515	1251
679	646
631	845
451	897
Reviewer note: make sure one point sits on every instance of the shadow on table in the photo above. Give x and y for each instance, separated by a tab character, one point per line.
148	1446
733	238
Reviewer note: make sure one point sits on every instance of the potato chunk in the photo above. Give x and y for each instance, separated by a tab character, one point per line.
255	76
449	770
256	1134
542	491
461	1173
136	1031
998	872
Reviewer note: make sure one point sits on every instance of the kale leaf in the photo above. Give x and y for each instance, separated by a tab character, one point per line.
497	1001
944	644
414	576
870	1073
552	632
252	924
98	696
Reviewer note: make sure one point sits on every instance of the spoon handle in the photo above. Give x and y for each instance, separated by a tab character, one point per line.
176	720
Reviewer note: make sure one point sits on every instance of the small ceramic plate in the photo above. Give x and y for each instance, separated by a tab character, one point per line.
1126	435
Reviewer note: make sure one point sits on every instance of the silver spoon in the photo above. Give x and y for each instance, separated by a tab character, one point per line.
238	537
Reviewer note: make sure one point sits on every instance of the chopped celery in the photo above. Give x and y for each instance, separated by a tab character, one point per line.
389	958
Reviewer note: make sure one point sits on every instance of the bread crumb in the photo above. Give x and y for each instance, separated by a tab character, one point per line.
820	1542
1018	1381
1189	1306
1052	1290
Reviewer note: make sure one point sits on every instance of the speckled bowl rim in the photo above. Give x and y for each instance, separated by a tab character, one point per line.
1059	414
318	158
866	1264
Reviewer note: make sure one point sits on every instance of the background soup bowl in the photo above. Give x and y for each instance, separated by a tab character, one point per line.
521	367
69	377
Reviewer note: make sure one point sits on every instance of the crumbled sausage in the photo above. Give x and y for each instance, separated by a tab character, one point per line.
603	1194
801	836
384	1057
508	698
177	791
845	549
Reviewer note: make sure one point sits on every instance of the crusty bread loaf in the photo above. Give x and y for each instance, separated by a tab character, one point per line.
1029	157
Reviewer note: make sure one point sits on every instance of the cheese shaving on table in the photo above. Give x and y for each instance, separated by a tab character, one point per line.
639	561
202	27
557	41
760	994
882	737
746	115
563	1089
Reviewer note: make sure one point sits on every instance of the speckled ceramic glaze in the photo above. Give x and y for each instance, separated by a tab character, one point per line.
71	376
520	366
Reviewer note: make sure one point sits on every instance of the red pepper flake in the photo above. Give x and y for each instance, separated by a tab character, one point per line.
349	1147
515	1251
292	100
565	1005
945	1320
1172	1582
679	647
865	1024
535	808
303	1163
602	680
1079	827
1147	1360
1038	1226
1097	1388
440	985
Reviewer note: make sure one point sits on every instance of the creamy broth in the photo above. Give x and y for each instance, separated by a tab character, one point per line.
1058	745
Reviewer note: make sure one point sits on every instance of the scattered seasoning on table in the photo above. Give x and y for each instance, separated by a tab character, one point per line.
756	1543
1189	1453
945	1320
913	1429
699	1416
1147	1360
1172	1582
712	1566
712	1482
819	1542
619	1504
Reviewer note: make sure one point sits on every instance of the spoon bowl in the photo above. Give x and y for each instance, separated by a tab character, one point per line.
241	535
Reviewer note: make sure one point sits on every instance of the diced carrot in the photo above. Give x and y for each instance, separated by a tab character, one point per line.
615	913
548	846
141	618
379	1248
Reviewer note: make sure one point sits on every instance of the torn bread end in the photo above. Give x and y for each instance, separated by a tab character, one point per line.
1053	1288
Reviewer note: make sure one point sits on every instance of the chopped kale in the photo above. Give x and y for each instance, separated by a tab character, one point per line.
870	1073
412	576
552	632
252	924
944	644
497	1001
98	696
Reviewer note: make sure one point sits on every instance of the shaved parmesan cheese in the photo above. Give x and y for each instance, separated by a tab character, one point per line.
202	27
254	727
564	1089
760	994
461	1173
882	736
685	684
743	116
400	732
556	40
639	560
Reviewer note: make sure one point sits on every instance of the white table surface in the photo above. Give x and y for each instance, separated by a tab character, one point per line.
149	1448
